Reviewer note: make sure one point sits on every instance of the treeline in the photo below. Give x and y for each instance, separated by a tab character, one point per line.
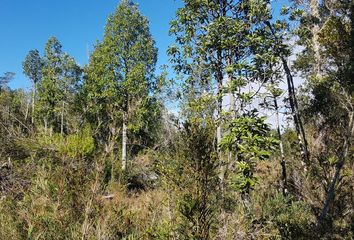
93	152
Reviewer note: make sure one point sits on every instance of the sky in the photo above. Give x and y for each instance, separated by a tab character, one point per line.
78	25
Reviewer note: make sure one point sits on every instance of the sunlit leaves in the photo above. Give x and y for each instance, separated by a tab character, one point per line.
249	138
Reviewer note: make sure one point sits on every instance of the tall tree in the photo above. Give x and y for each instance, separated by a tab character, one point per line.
215	39
4	80
60	76
48	90
327	34
336	37
99	97
197	28
281	51
126	59
69	87
32	67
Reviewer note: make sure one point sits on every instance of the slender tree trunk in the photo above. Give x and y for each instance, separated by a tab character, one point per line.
45	126
233	115
62	118
223	165
33	101
124	141
219	78
110	145
293	103
27	110
347	143
282	161
331	191
232	110
219	110
231	91
296	114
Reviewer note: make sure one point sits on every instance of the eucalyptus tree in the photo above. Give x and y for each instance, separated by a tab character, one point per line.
5	79
99	96
221	47
32	67
198	36
330	83
12	112
5	97
120	75
70	78
60	76
49	93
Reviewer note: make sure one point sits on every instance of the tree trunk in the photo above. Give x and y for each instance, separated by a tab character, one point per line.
33	101
124	142
232	110
62	119
218	129
293	103
296	115
282	162
233	116
347	136
219	79
45	126
331	191
27	110
110	145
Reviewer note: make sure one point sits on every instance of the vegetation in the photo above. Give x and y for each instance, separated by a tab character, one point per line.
94	152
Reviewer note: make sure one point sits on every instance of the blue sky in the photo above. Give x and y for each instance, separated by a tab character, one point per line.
78	24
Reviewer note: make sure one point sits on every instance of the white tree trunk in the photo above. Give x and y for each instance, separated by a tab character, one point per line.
62	119
45	126
27	110
33	101
124	142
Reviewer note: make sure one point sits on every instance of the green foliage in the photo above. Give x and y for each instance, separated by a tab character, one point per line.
191	175
243	180
119	82
4	80
33	65
78	145
60	76
248	137
292	220
217	39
